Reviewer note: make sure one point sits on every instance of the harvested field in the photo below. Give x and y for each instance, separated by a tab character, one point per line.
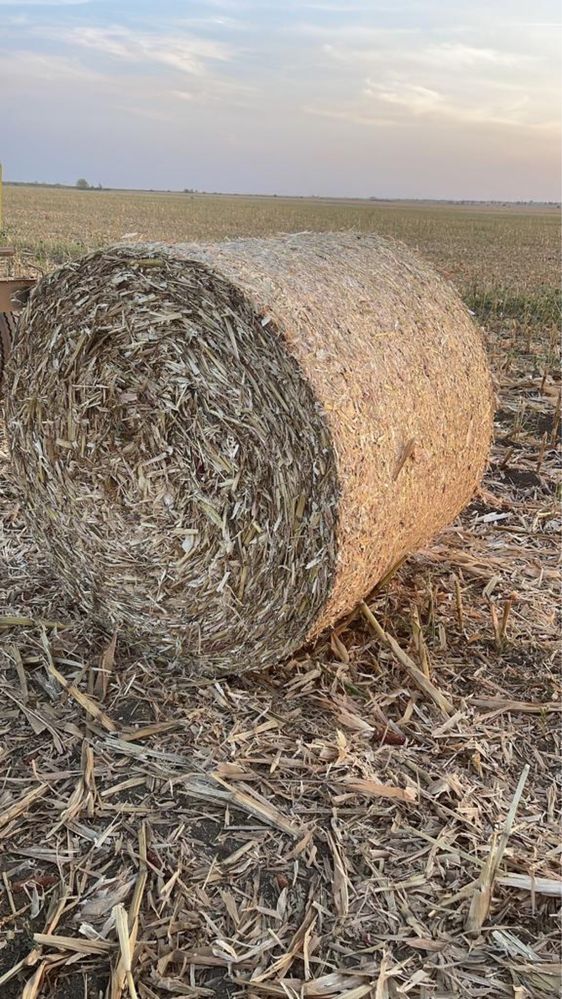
378	817
502	258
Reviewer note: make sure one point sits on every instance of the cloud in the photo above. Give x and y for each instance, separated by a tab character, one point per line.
424	102
44	3
159	94
417	99
217	90
215	22
385	75
233	5
351	8
155	65
398	103
187	54
362	34
456	56
350	115
380	44
28	66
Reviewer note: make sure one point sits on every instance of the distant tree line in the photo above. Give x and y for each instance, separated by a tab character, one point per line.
83	185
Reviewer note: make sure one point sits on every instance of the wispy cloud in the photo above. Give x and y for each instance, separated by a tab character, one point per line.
351	8
44	3
351	116
28	66
423	102
387	77
361	34
188	54
457	56
217	22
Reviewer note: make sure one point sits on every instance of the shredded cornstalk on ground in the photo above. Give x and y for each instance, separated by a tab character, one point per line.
375	818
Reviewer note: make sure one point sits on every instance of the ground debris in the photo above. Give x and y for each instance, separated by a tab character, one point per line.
326	829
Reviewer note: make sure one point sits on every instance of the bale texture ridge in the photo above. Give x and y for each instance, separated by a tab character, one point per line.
225	447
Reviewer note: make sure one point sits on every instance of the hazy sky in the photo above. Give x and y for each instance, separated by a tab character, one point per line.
440	98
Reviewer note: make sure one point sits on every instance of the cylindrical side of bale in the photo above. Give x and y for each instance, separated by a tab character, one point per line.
225	447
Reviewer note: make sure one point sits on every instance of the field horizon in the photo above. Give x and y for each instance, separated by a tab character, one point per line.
503	258
347	198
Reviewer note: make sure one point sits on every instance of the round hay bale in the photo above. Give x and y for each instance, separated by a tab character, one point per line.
225	447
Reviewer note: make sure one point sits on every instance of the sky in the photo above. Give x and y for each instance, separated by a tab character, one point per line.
435	99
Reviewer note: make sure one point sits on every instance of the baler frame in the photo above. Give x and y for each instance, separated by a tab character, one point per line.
13	291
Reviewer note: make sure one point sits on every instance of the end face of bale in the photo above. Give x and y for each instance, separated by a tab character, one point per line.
225	447
173	458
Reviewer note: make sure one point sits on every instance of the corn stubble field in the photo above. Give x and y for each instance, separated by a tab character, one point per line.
377	817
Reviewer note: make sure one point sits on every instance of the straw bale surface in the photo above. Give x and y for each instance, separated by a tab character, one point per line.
224	447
